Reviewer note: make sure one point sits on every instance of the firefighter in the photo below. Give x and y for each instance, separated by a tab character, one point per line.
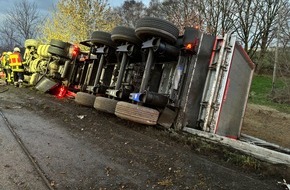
6	67
1	64
17	67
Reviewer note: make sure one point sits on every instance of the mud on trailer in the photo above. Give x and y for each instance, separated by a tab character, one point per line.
152	75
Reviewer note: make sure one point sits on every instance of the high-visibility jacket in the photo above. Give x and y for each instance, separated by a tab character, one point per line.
5	60
5	65
16	62
2	59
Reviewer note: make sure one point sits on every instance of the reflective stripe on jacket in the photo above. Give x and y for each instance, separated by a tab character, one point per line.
16	62
5	61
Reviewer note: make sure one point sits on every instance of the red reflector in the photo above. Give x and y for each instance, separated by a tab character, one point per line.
61	92
74	53
70	94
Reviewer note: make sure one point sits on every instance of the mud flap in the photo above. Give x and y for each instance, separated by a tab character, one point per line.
167	118
45	84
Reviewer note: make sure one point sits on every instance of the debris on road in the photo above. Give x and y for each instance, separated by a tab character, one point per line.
285	184
16	107
81	116
11	107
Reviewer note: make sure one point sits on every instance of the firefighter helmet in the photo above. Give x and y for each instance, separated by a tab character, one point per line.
16	49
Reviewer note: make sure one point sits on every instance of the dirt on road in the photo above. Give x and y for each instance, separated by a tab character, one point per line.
81	148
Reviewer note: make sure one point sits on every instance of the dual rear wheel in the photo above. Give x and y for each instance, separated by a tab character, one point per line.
59	48
146	28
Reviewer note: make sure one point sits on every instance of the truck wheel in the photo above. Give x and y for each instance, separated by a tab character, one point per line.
102	38
57	51
31	43
136	113
42	50
60	44
105	104
85	99
125	34
155	27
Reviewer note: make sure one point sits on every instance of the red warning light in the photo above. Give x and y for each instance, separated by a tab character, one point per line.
61	92
75	50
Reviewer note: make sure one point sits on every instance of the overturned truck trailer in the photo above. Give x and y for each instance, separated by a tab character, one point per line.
188	81
216	88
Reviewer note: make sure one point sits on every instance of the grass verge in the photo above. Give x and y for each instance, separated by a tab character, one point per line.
260	92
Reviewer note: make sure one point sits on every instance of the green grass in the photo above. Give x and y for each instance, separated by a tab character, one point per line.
260	92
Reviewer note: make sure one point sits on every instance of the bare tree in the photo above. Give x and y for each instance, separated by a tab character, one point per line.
246	25
285	33
265	25
268	18
213	16
8	36
130	12
281	63
20	23
184	13
154	9
217	15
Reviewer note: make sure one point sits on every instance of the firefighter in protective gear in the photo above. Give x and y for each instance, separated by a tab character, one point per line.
17	66
1	64
6	67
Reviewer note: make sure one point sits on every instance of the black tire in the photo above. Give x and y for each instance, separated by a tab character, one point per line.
155	27
136	113
60	44
57	51
102	38
42	50
105	104
31	43
122	34
85	99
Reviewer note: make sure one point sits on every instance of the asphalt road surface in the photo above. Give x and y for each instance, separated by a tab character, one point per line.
101	151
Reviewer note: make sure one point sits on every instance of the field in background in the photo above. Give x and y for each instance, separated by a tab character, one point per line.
264	118
260	92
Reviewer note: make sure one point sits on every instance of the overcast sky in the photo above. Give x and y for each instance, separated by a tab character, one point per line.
45	6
